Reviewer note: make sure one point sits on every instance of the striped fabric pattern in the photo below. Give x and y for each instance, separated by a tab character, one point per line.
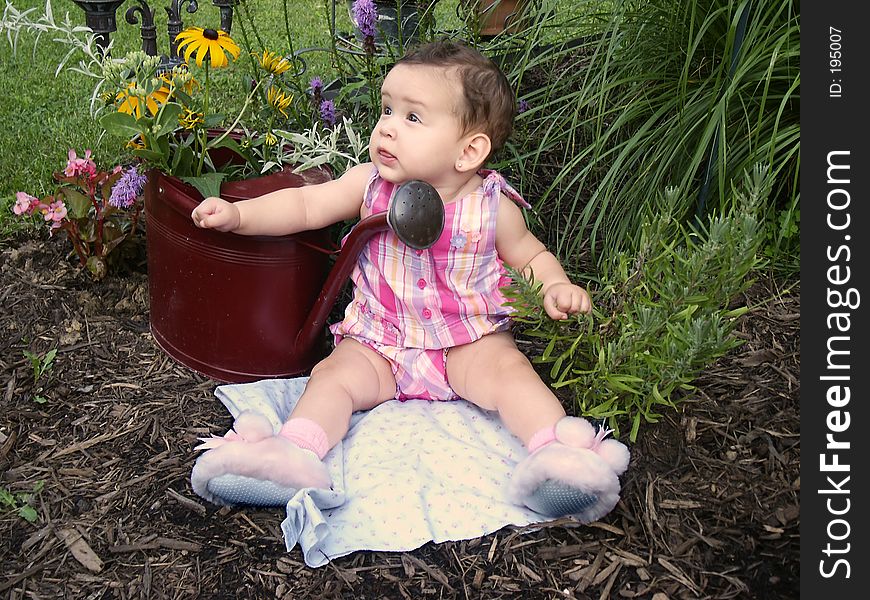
441	297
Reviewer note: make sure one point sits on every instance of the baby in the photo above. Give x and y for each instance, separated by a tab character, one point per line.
425	323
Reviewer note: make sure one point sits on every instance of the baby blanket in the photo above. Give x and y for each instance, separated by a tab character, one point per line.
406	473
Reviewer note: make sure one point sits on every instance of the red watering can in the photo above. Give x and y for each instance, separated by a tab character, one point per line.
242	308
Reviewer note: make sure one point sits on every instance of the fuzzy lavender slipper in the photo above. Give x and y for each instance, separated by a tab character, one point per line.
252	465
576	475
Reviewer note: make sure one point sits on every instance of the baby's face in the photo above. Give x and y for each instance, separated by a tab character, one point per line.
418	135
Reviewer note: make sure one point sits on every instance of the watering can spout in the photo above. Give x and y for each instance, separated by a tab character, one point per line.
415	215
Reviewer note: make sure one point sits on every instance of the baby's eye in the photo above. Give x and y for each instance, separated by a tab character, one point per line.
413	118
387	111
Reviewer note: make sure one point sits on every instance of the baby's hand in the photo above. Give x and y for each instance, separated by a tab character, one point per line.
214	213
563	298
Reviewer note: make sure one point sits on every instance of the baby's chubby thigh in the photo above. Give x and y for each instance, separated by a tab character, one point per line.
493	374
482	371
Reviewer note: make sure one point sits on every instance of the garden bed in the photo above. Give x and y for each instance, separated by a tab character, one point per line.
709	508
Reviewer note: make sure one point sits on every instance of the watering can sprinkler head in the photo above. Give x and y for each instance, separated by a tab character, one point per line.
416	214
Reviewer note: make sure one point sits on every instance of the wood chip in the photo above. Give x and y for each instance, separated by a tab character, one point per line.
561	551
680	504
679	575
80	549
491	554
606	572
479	575
529	573
434	572
605	592
629	559
79	446
607	527
186	502
590	572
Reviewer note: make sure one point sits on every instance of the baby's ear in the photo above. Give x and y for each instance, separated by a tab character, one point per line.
475	152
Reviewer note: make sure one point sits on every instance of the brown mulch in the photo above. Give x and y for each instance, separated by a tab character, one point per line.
709	507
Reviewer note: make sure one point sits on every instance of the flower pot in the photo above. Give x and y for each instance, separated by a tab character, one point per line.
230	306
496	16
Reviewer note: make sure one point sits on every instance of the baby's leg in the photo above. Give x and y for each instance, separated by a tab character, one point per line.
354	377
252	465
493	374
571	469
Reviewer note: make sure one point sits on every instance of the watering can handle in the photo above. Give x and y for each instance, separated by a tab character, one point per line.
415	214
341	270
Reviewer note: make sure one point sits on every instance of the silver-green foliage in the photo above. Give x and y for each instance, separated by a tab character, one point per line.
662	314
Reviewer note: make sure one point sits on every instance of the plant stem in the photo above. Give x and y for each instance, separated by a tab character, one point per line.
203	145
227	131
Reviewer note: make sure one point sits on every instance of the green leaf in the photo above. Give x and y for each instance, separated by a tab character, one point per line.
97	266
228	142
213	120
166	120
635	426
6	497
208	184
148	155
28	513
77	203
122	124
183	161
737	312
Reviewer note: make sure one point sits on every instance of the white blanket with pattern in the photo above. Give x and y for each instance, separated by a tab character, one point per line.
406	473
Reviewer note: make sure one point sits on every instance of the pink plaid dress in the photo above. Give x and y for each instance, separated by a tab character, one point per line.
411	306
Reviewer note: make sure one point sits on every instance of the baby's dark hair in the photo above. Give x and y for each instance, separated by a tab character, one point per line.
490	105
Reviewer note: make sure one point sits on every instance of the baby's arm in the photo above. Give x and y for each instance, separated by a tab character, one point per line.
521	250
288	210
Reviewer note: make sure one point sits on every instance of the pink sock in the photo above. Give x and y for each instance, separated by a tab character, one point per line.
542	438
306	434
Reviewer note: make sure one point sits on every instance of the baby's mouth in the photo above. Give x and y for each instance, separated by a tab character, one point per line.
386	156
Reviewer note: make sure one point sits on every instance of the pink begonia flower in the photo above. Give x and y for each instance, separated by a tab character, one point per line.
56	212
80	166
24	203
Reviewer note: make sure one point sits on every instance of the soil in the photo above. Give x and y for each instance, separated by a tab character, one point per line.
709	506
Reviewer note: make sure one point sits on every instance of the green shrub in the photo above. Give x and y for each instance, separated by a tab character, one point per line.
660	316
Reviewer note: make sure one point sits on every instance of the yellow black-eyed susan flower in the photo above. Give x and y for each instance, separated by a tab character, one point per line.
136	143
272	62
133	99
271	139
201	43
107	97
279	100
190	119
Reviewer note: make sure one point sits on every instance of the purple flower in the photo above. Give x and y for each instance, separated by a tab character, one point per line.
316	85
127	189
327	112
365	13
459	240
522	106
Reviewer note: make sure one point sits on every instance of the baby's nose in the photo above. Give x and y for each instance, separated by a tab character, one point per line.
385	129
